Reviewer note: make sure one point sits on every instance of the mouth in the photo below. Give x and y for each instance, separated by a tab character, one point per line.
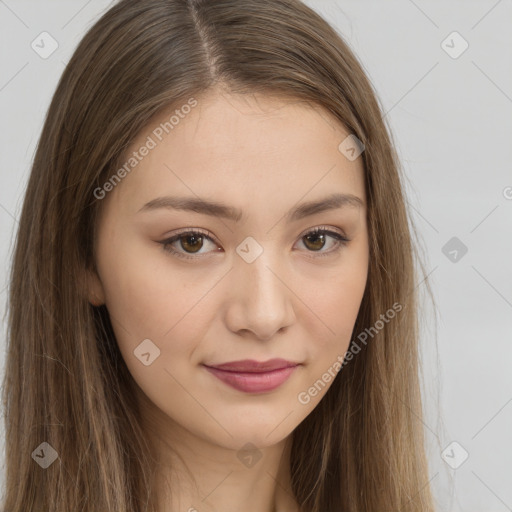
252	376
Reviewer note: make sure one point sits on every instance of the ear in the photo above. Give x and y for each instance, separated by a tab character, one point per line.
93	287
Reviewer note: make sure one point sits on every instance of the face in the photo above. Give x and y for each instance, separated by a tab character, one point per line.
262	274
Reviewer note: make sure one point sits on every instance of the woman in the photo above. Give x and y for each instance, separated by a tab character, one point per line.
212	302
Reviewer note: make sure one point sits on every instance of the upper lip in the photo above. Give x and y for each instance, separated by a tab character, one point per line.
251	366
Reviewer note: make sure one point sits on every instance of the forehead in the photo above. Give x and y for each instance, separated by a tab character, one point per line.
245	150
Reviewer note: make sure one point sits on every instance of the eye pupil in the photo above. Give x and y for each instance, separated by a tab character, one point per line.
191	237
316	237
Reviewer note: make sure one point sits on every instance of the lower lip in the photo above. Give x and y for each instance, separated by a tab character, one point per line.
253	382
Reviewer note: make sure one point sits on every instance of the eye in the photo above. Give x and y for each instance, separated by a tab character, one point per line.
316	238
192	241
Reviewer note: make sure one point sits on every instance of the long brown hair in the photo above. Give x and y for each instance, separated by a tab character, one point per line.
66	384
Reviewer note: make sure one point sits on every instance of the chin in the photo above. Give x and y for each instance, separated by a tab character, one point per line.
268	431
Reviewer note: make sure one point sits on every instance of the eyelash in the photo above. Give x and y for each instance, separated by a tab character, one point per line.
341	241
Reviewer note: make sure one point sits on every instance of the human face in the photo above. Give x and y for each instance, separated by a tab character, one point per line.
256	288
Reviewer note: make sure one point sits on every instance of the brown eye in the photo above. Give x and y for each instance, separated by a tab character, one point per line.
191	242
317	241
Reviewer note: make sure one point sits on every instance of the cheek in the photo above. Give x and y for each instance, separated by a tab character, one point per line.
338	312
149	298
339	303
335	302
143	295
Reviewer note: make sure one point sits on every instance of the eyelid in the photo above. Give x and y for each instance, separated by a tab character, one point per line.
198	231
323	228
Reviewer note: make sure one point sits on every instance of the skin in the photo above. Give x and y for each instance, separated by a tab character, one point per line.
263	155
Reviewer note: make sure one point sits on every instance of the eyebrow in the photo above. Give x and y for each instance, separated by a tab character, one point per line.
213	208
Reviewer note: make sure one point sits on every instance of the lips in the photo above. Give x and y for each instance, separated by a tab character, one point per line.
252	376
251	366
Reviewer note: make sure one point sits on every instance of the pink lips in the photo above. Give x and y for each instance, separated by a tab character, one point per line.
253	376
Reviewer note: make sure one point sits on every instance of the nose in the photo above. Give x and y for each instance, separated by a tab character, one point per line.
261	297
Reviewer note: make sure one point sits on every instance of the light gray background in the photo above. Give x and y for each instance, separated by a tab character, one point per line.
452	123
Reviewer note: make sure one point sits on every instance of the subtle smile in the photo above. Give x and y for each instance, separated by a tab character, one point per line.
252	376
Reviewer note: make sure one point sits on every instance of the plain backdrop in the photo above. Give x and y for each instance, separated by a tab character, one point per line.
443	74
